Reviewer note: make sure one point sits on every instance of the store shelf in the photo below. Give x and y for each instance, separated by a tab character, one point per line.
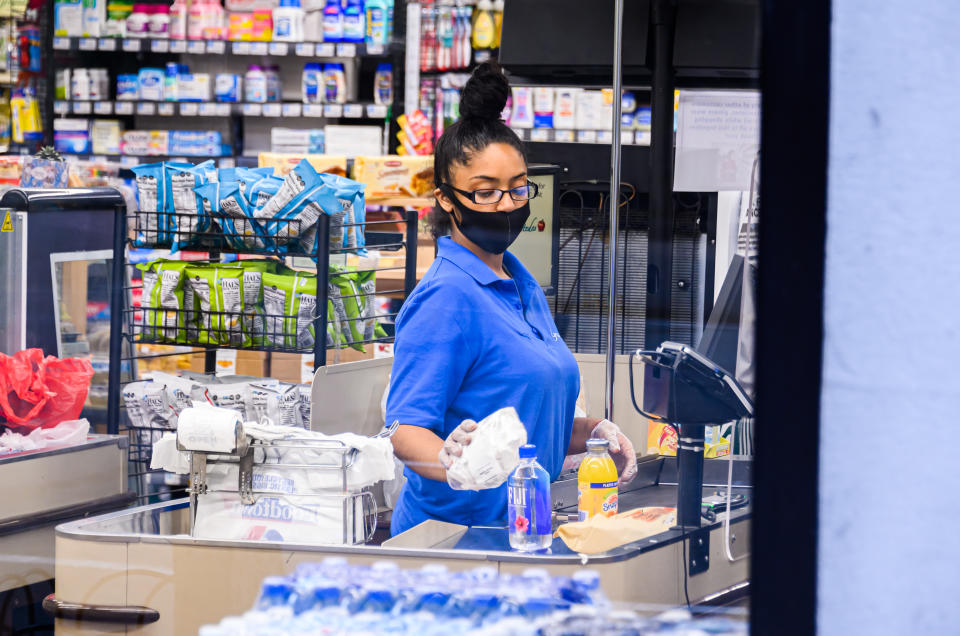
128	161
221	47
627	137
216	109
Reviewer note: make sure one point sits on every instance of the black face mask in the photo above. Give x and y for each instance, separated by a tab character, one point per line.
493	232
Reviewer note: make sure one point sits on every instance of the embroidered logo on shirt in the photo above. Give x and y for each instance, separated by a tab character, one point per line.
556	336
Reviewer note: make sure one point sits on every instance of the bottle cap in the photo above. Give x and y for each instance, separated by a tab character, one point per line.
598	444
528	451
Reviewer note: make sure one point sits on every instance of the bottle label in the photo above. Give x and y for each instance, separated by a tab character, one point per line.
528	509
597	498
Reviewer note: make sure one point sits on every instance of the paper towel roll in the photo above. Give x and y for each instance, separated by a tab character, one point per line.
209	429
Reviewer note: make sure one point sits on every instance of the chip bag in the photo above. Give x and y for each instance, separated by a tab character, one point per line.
151	191
345	295
166	315
218	294
253	323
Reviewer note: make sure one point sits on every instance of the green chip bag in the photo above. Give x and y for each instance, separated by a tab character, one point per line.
218	304
253	324
165	316
289	303
367	282
345	295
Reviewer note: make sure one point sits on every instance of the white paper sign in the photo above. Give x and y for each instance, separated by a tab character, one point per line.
718	137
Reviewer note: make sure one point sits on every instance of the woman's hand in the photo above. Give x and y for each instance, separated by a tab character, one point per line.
455	442
621	449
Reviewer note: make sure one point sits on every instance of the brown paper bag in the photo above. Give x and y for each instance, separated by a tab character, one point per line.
600	533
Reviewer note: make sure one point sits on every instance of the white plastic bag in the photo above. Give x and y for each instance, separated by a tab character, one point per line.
492	454
64	434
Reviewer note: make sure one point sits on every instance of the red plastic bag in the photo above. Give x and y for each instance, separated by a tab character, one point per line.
38	392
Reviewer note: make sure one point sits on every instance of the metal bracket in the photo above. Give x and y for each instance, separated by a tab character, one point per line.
246	478
198	473
698	553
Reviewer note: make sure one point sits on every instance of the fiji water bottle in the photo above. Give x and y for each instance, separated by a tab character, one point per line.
528	503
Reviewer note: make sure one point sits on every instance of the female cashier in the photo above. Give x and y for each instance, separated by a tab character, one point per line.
476	334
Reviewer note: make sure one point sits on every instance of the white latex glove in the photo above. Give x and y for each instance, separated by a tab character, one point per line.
621	449
453	445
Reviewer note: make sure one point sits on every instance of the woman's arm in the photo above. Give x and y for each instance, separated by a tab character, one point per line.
418	448
582	428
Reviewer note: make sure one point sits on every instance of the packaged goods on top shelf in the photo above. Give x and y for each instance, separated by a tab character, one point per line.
416	134
183	205
352	21
449	34
258	304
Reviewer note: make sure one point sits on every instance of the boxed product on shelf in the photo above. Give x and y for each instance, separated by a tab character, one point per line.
105	136
71	135
283	163
196	143
293	141
394	175
145	143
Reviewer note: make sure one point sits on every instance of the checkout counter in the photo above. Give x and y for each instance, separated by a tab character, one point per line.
139	569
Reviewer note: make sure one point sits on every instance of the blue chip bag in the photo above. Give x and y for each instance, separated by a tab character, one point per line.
151	191
241	229
298	220
262	191
185	216
302	177
350	194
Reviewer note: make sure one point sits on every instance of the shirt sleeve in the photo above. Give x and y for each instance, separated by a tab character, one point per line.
432	356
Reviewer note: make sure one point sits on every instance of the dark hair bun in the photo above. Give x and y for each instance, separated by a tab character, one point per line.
485	94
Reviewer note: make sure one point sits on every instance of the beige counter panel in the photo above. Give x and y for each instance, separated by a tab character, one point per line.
26	558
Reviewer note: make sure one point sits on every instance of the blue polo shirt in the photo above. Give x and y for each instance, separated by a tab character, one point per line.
467	344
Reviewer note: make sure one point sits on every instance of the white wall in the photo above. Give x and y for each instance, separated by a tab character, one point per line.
890	462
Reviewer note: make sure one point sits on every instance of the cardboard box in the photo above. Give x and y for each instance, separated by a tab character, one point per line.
284	163
662	440
233	362
298	368
395	176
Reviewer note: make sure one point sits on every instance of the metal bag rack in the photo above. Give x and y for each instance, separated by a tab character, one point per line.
244	456
200	231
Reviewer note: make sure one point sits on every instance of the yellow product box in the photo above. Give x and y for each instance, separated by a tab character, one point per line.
283	163
662	440
395	176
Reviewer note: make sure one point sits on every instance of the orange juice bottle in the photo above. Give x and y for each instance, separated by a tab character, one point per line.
597	482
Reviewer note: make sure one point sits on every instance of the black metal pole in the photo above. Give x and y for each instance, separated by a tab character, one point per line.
117	308
689	475
323	295
410	264
660	259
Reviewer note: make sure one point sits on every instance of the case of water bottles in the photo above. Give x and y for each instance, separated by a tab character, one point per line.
332	597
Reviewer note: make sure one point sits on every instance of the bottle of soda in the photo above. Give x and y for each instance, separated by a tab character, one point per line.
528	503
597	482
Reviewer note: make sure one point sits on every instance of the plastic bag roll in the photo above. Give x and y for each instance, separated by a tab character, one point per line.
209	429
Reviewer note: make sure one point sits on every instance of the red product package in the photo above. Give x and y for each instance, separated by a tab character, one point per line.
38	392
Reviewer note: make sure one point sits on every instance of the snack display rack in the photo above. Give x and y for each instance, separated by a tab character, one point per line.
129	323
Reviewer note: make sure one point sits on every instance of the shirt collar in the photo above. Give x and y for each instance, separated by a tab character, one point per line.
470	263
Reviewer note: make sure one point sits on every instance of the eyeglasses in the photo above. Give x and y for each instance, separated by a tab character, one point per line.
493	195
